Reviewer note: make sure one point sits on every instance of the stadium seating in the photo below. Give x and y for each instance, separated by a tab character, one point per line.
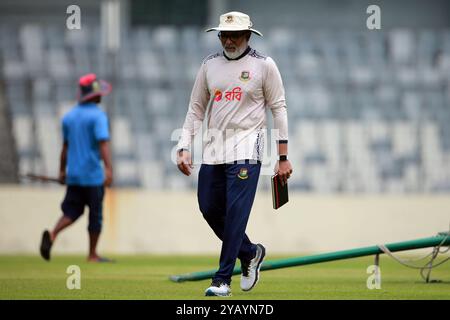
369	111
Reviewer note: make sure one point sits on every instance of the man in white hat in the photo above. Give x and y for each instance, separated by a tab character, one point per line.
232	90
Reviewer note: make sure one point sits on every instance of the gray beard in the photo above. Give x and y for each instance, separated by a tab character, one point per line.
235	54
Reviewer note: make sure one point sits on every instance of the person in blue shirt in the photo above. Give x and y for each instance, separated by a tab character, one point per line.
86	145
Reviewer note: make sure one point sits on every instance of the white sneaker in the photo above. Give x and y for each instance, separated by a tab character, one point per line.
219	289
250	271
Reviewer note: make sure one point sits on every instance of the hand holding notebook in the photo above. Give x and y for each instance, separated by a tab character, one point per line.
280	194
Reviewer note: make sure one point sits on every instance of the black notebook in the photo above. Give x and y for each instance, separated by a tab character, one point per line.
280	194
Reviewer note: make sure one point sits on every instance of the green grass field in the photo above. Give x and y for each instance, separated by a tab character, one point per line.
146	277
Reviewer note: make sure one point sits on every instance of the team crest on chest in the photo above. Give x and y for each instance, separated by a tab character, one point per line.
245	76
243	174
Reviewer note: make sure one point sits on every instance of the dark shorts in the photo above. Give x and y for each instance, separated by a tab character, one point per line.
77	197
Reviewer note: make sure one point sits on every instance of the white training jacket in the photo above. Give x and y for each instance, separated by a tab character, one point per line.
236	92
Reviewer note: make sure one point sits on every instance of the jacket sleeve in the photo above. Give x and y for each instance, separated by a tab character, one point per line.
196	112
275	99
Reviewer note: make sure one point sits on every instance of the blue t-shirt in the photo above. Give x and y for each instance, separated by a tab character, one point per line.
83	128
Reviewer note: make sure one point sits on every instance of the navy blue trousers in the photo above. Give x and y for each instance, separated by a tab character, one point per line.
225	196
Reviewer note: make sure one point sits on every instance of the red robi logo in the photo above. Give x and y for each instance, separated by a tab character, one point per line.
232	95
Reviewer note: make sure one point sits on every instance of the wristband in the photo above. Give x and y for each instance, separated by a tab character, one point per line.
283	157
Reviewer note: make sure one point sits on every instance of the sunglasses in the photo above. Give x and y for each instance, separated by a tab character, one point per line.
233	36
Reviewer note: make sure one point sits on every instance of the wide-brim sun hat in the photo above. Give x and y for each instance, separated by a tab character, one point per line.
90	87
235	21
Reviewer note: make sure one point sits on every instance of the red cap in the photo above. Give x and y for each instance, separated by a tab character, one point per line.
88	79
90	87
